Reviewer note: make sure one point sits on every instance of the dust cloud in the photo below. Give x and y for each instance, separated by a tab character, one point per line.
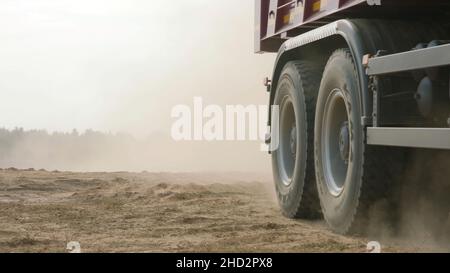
96	151
416	210
121	66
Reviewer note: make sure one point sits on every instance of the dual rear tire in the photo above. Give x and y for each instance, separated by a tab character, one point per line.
322	156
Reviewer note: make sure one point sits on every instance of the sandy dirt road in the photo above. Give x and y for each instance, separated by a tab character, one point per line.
157	212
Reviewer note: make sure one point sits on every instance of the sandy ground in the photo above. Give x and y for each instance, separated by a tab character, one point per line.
157	212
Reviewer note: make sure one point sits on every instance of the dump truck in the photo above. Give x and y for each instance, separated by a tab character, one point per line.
353	81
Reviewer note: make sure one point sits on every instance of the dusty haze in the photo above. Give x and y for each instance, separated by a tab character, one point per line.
120	66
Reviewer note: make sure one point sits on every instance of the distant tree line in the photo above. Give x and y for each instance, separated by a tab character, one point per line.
97	151
39	149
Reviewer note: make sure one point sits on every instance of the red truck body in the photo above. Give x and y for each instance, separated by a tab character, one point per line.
277	20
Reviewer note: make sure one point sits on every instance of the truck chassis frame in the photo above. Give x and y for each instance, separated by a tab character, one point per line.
431	138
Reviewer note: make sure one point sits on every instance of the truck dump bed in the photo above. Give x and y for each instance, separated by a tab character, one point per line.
277	20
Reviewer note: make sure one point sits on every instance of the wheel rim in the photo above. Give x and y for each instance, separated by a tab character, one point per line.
336	146
287	152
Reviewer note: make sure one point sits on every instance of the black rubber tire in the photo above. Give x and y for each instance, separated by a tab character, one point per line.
300	82
367	175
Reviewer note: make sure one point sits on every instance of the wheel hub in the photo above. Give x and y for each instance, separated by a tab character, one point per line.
344	142
335	142
287	152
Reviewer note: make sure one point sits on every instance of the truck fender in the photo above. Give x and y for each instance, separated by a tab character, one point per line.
346	29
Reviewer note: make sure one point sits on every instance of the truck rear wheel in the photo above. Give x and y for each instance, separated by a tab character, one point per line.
293	161
350	175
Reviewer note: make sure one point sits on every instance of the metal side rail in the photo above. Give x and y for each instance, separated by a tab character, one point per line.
410	60
429	138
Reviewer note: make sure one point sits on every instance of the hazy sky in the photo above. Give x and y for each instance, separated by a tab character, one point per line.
120	65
